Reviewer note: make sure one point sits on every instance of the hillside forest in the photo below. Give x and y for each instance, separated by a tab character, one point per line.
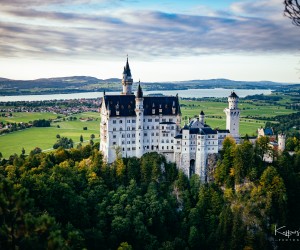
72	199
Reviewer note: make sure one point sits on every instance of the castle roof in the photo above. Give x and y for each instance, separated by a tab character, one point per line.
139	93
201	113
126	105
233	95
199	131
127	69
268	131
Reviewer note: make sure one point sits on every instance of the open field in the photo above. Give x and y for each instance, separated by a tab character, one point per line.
45	137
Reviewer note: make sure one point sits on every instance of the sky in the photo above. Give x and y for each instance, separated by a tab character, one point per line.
165	40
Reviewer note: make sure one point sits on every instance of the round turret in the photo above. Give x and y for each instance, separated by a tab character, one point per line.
233	100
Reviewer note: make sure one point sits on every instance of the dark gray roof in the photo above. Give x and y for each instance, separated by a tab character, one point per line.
167	123
233	94
139	93
209	130
223	130
127	69
178	137
126	105
165	103
200	131
201	113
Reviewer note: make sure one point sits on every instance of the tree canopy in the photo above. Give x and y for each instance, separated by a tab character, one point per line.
292	10
72	199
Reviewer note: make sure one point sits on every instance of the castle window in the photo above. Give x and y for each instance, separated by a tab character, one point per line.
123	149
156	120
133	135
133	142
152	134
167	147
121	129
163	120
152	127
147	127
148	147
133	128
114	143
133	148
121	121
128	121
123	135
162	147
157	127
163	127
128	135
157	134
149	120
172	147
178	142
114	129
172	127
114	121
172	141
128	149
170	120
145	134
114	136
123	142
128	142
144	120
133	121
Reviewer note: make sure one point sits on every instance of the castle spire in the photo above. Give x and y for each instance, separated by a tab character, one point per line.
139	93
127	80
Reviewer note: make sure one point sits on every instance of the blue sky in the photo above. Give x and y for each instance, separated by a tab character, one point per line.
165	40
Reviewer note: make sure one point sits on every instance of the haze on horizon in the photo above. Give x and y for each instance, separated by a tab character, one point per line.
165	40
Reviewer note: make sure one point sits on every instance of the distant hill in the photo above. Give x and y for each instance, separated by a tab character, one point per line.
75	84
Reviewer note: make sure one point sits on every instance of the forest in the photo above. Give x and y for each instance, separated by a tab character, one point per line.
72	199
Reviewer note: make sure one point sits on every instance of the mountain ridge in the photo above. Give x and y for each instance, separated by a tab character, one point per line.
73	84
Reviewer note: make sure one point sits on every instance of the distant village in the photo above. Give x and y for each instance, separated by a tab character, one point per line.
63	108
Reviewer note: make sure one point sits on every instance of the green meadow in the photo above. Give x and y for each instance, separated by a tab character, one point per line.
44	138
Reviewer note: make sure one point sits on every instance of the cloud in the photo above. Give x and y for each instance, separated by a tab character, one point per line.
272	9
29	32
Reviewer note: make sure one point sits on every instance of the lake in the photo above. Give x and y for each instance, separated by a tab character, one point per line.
197	93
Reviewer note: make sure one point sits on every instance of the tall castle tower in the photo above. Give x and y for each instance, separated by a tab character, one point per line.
127	80
233	115
281	142
139	110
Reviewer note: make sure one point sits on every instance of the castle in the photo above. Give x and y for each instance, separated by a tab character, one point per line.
136	124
